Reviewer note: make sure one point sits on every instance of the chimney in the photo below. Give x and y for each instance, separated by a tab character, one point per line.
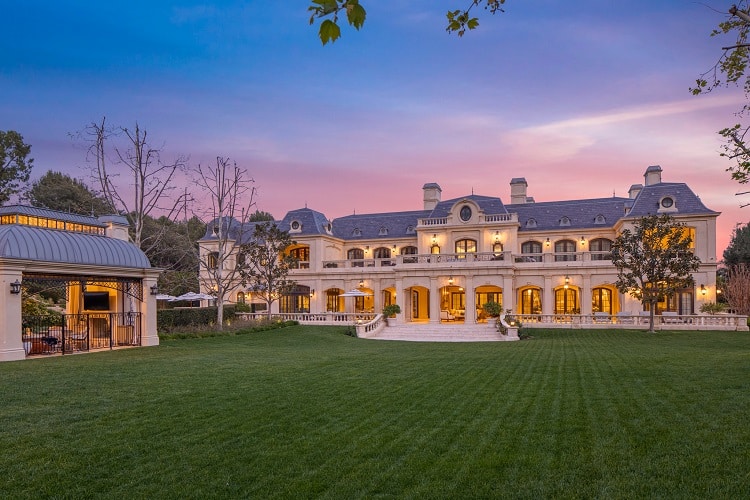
518	187
653	175
634	190
431	192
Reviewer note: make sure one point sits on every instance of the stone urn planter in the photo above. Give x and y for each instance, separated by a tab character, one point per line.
390	311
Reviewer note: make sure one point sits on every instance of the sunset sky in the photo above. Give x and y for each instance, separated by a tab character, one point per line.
577	98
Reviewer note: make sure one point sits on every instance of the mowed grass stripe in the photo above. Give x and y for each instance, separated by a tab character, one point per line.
309	412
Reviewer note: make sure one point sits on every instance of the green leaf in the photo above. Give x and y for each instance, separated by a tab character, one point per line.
329	31
356	15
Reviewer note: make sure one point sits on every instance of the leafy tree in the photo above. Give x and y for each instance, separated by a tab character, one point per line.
260	216
654	260
175	252
264	266
232	197
59	191
15	165
730	70
738	250
459	20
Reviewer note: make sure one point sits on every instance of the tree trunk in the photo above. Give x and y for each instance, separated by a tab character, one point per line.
651	317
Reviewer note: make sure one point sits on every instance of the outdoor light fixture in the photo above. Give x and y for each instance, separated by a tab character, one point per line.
15	287
547	242
367	248
583	241
718	291
567	282
450	280
703	289
154	290
434	239
394	248
361	283
312	292
497	236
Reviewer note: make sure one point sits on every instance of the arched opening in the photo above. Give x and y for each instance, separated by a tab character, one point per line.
452	303
565	250
357	256
566	300
417	304
530	300
301	254
531	251
483	295
296	301
334	300
603	300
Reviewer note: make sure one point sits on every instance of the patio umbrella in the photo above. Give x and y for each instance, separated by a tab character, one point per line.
192	296
164	296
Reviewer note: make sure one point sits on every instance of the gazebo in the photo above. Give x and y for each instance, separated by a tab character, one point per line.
107	285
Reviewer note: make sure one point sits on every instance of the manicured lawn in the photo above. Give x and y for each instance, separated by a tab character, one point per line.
309	412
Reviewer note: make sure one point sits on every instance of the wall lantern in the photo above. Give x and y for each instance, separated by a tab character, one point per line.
394	248
367	248
567	282
547	242
15	287
312	292
703	289
450	280
154	289
434	239
361	283
497	236
583	241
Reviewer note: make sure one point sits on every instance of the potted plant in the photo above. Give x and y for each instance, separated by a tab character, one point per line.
493	310
390	311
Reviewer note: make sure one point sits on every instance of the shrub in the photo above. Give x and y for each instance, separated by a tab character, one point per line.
493	309
713	307
391	310
169	319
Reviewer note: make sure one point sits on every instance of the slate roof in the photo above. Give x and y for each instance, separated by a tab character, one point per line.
686	202
582	214
39	244
395	224
313	223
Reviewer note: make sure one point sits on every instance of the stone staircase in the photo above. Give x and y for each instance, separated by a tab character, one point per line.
441	332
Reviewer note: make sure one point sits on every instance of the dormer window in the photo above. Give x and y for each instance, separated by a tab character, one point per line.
356	232
465	213
410	230
667	204
600	219
565	221
531	223
383	231
295	226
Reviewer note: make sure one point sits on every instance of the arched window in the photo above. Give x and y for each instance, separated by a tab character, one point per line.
381	253
295	301
566	301
601	300
213	260
565	250
356	254
531	301
435	248
465	246
241	298
534	248
600	249
302	256
497	250
409	250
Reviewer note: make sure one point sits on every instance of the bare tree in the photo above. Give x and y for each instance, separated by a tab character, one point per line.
148	183
232	198
737	289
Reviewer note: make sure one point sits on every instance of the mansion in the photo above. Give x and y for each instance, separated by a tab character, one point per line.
443	262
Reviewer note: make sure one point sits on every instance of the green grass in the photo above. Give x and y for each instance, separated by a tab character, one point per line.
309	412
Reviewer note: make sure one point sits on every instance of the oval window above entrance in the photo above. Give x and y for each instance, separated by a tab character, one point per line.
465	213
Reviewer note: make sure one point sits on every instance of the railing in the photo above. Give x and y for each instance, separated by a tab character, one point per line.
69	333
664	321
437	221
509	258
324	318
